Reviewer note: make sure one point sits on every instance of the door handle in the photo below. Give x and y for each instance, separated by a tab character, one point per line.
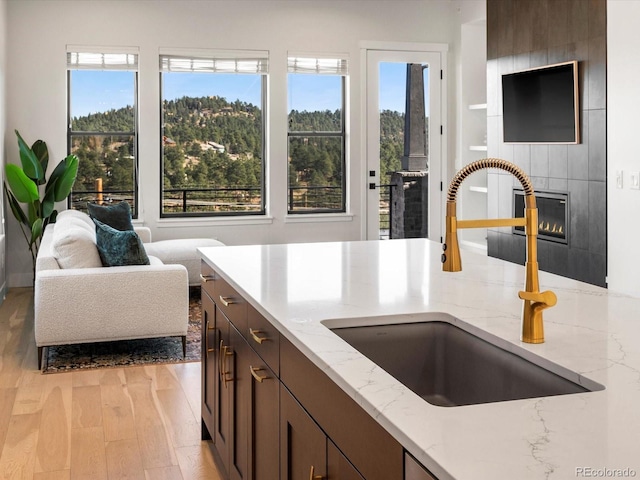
206	338
224	353
256	338
373	186
254	374
312	476
226	301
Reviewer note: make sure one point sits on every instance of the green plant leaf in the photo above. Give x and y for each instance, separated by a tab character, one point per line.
24	189
48	202
64	176
18	213
51	219
30	163
33	212
36	231
41	152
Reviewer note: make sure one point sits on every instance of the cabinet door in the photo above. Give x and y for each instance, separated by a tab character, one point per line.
264	418
222	410
303	446
414	471
209	371
338	466
238	385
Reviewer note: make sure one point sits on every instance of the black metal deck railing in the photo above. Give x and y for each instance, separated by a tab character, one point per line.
301	199
240	200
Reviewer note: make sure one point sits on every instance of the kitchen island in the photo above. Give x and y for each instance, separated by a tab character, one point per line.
299	288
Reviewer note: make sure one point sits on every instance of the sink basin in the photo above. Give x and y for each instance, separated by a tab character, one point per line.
447	363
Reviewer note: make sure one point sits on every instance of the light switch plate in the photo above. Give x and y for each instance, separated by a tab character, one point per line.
635	180
619	176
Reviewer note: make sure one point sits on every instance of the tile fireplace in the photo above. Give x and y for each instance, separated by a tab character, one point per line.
553	215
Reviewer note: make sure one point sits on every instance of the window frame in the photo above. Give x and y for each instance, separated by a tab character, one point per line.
135	213
321	134
214	55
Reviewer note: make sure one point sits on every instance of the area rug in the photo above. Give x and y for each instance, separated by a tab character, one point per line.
66	358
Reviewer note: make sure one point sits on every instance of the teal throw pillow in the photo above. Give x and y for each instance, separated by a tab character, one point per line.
117	216
119	247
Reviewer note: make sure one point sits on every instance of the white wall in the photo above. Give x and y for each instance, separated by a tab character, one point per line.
623	112
39	30
472	126
3	50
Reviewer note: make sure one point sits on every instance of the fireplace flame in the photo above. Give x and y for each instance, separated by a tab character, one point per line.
546	227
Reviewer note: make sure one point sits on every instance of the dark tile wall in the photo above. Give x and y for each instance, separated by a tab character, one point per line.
531	33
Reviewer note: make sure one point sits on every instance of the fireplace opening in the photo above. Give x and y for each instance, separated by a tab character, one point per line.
553	215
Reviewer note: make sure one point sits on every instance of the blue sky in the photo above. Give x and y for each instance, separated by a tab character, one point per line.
99	91
392	85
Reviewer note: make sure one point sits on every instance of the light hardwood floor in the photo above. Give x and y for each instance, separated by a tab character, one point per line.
106	424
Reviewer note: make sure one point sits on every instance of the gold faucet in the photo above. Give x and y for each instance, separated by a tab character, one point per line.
535	301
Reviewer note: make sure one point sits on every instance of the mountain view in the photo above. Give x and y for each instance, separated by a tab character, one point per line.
213	147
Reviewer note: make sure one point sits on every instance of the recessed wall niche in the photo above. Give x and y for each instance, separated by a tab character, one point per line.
528	34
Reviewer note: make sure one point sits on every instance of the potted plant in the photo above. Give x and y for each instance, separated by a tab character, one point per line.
28	184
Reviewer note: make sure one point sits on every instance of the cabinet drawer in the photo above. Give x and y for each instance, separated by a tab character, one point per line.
264	338
207	278
227	299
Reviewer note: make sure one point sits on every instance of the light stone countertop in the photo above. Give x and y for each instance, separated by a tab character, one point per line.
590	331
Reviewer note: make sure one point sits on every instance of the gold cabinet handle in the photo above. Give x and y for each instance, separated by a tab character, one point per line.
312	476
254	335
206	338
207	278
226	379
226	301
224	353
221	360
254	372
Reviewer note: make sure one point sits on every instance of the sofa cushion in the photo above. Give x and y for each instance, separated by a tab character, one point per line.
119	247
64	214
183	251
117	216
73	244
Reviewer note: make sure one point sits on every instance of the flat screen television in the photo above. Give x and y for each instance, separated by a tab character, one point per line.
540	105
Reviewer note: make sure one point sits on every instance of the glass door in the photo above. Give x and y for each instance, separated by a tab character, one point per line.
386	105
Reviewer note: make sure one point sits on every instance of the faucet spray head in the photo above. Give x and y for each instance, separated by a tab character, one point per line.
451	261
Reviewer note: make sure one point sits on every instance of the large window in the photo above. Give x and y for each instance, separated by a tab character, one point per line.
317	145
103	126
213	133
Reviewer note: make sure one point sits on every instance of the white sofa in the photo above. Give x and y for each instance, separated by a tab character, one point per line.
77	300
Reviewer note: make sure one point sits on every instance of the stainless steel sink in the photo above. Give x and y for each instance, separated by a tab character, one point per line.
447	365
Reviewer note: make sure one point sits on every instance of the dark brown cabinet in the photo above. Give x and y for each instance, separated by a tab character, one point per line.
208	367
305	450
240	393
264	420
303	445
253	399
338	466
414	471
272	414
237	384
223	378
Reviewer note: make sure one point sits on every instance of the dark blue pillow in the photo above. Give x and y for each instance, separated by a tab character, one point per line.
117	216
119	247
